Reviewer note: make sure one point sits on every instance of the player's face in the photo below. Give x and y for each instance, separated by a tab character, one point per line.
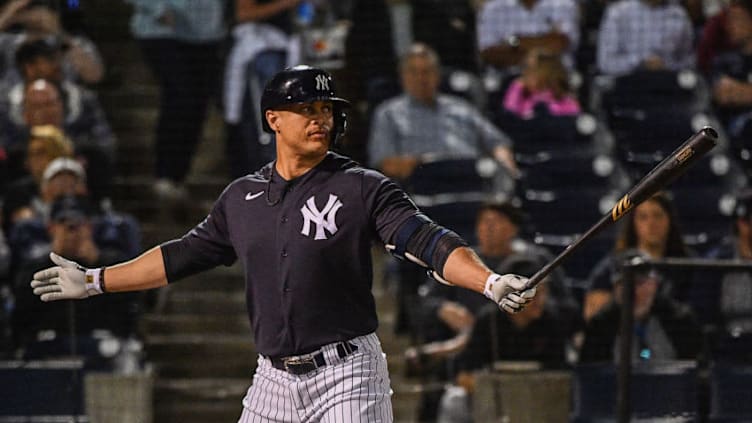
651	224
304	128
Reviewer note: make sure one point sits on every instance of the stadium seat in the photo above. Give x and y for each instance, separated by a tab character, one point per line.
452	190
730	393
42	391
545	132
704	214
660	392
462	83
641	88
651	113
580	264
567	211
578	167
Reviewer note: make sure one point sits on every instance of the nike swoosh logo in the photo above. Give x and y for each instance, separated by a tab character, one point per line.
250	196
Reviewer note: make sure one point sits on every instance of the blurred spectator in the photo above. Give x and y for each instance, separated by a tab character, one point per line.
71	232
535	334
261	40
732	90
444	319
645	34
424	122
44	97
82	120
664	329
732	298
449	27
652	228
62	176
509	29
79	112
714	40
180	41
544	81
442	312
369	76
80	59
46	143
65	176
5	297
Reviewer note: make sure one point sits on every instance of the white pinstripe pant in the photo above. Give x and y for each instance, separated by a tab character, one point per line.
354	389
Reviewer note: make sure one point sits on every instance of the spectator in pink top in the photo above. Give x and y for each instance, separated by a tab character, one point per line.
544	81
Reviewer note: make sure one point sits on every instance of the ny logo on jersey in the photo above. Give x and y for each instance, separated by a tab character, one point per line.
322	83
324	219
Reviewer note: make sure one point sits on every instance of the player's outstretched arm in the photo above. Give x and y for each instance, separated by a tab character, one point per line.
68	280
465	269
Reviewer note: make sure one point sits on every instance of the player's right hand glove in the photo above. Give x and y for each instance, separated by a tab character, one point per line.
508	291
66	281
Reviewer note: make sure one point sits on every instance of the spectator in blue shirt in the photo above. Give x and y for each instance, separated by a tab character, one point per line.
422	122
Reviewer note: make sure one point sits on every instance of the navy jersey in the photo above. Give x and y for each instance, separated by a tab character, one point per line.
305	247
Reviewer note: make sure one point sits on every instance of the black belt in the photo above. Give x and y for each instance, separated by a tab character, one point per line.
302	364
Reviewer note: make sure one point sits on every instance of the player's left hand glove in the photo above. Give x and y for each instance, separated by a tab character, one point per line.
66	281
508	291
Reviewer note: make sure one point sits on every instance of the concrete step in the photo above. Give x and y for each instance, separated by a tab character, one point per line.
201	389
222	278
201	355
217	303
190	324
133	118
136	95
203	187
198	411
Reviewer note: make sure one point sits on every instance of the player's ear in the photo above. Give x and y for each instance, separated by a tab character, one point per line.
272	118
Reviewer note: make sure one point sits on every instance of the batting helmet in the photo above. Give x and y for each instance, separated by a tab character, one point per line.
303	84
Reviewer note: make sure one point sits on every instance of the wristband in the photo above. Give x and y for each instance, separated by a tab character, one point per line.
488	289
94	282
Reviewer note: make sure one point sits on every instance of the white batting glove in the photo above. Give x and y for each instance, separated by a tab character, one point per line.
508	291
66	281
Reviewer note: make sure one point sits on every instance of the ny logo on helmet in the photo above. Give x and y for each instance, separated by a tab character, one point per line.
324	219
322	83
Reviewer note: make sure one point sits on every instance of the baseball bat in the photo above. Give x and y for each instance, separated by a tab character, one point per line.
659	177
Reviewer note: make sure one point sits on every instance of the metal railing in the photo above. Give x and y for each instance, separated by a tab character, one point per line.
626	329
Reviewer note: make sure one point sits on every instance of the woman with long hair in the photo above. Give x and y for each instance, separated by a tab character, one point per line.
651	228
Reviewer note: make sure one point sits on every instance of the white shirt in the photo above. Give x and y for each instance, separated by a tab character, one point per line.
500	19
632	30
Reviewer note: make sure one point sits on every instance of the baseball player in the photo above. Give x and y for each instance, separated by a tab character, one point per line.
303	226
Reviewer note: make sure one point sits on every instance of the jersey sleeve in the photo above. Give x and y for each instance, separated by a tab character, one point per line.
387	205
205	246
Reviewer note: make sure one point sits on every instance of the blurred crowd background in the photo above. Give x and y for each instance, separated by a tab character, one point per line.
517	123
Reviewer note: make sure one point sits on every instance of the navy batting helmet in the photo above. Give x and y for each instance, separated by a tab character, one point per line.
303	84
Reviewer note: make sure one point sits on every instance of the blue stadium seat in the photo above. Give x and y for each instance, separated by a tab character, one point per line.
567	211
704	214
641	88
580	264
452	190
42	389
577	167
661	392
651	113
545	132
730	393
462	83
